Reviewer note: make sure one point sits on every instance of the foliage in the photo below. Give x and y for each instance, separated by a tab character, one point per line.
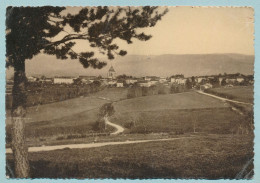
106	110
30	30
38	94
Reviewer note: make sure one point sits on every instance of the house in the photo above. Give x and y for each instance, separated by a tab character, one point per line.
31	79
162	80
178	79
205	86
181	81
119	84
111	82
63	80
231	80
240	79
149	78
153	82
199	79
130	81
87	79
173	80
144	84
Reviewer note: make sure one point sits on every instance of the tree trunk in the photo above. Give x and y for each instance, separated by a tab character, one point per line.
19	147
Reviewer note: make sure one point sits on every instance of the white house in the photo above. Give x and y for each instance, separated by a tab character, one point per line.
119	84
31	79
173	80
144	84
153	82
181	81
199	79
231	80
205	86
130	81
162	79
240	79
112	82
63	80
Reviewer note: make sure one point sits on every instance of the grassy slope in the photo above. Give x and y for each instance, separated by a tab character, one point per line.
187	100
176	113
113	94
221	120
210	157
67	117
240	93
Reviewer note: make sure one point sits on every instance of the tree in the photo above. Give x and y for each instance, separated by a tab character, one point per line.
223	82
31	30
188	84
106	110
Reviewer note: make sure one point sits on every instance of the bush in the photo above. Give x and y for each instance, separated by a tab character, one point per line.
99	125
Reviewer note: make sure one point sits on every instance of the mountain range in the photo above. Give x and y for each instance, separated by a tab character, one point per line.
144	65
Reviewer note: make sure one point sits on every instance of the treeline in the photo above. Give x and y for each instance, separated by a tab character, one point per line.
43	93
137	91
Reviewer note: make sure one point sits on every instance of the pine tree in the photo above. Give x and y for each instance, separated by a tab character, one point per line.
29	31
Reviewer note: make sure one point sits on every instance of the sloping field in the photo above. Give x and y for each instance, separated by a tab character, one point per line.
189	100
74	116
219	120
113	94
70	107
178	114
208	157
239	93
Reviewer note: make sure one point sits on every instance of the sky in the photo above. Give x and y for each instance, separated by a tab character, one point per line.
195	30
189	30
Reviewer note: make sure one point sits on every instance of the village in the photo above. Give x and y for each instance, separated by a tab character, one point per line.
114	80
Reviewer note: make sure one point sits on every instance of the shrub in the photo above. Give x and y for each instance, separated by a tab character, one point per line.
99	125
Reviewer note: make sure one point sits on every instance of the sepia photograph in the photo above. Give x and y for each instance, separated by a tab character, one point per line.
129	92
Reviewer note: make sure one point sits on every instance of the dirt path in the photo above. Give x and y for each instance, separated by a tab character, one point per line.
119	129
224	99
92	145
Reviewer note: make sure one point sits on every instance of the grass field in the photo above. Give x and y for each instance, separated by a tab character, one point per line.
220	147
70	117
188	100
114	94
239	93
208	157
174	113
70	107
177	114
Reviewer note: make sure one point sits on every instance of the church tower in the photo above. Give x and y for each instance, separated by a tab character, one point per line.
111	73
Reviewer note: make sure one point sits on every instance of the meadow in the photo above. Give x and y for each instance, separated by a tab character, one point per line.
239	93
66	118
206	157
178	114
219	143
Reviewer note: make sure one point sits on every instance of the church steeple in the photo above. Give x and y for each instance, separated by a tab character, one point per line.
111	73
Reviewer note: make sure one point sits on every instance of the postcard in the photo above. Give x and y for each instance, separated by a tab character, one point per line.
129	92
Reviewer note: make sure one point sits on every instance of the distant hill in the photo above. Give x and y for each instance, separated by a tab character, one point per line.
188	65
141	65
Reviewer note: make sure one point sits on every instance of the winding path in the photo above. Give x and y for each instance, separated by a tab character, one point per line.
224	99
92	145
119	129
